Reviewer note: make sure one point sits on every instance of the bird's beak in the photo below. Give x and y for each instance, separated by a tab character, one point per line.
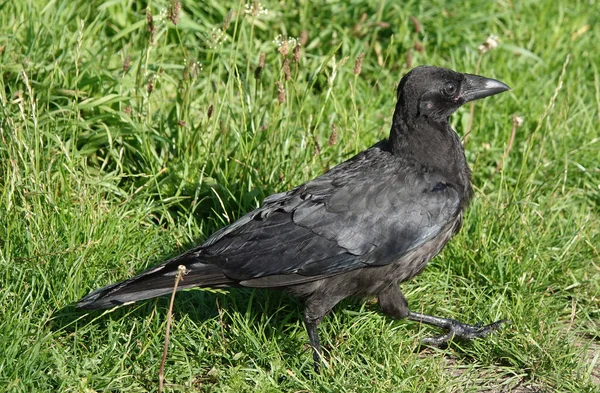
476	87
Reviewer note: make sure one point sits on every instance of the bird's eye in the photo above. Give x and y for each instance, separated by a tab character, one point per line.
449	89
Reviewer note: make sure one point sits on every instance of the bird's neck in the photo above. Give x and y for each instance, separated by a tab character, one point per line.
431	146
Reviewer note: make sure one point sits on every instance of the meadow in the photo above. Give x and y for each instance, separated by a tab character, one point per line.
131	131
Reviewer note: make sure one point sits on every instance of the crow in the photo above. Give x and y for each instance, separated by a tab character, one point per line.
359	229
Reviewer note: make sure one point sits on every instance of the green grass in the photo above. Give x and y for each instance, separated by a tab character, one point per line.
99	179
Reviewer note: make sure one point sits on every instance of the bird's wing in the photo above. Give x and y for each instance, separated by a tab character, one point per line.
367	211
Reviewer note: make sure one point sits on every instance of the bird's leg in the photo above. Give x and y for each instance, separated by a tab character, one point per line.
313	338
455	328
315	308
393	303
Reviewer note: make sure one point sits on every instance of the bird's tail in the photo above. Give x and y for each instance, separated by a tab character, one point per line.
157	281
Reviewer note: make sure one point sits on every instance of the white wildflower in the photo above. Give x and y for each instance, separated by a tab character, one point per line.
519	120
191	69
280	40
217	37
285	43
255	8
490	44
162	16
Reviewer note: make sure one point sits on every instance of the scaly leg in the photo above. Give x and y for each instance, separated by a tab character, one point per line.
316	308
455	328
393	303
313	338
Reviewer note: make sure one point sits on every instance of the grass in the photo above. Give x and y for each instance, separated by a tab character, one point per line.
120	147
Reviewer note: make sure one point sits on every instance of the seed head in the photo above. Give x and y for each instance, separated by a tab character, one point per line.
490	43
304	38
149	20
284	44
286	69
126	64
227	20
173	13
296	54
284	49
150	86
151	26
191	70
518	120
255	9
416	24
358	63
217	37
280	93
334	135
317	150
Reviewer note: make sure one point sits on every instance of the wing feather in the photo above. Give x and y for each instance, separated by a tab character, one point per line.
368	211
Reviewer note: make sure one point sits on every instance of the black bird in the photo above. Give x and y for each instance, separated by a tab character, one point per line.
357	230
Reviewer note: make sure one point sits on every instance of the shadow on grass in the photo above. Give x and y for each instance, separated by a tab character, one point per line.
224	325
198	305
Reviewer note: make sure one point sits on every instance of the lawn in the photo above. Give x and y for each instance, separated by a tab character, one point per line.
130	131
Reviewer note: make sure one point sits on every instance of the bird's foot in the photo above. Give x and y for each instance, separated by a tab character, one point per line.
455	328
463	332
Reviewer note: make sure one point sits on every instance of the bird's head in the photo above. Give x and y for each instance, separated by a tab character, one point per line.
438	92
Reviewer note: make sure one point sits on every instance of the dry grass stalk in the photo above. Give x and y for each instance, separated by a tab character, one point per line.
517	122
181	271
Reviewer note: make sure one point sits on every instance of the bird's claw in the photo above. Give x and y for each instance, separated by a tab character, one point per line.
464	332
